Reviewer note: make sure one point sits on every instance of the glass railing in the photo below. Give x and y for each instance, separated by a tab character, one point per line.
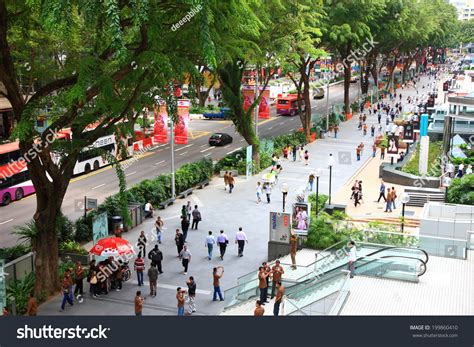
392	267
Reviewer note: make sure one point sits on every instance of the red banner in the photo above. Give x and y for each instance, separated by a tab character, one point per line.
249	96
181	128
264	107
160	129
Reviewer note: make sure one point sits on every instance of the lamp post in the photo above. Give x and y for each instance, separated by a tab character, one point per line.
404	198
331	163
284	191
317	174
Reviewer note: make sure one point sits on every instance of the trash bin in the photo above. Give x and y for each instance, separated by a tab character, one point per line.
117	225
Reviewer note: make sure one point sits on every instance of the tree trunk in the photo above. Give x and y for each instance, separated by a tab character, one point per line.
306	121
347	84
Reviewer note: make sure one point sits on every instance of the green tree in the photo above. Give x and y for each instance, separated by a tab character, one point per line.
461	191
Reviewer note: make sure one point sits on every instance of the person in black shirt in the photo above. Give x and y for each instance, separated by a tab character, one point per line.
191	294
179	240
185	226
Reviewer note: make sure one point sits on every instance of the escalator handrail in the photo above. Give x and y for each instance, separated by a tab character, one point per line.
399	247
399	256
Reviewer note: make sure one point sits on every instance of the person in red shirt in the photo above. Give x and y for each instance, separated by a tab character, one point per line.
139	268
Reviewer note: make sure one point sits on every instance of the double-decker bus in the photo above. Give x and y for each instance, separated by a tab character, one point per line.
288	105
14	179
15	182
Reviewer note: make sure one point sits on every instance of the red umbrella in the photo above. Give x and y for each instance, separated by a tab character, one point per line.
112	246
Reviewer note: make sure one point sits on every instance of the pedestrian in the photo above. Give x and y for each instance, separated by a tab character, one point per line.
285	152
372	130
148	210
189	210
361	145
262	284
306	157
311	182
156	257
184	211
216	276
294	151
152	279
119	277
388	207
159	229
365	129
358	150
32	306
382	152
241	240
223	241
209	243
179	241
356	197
268	273
226	180
374	150
191	295
301	153
231	180
185	226
259	192
139	299
141	243
259	310
278	299
139	268
460	170
364	118
379	117
353	189
352	257
93	281
268	191
469	170
394	197
382	192
180	298
336	130
293	248
277	273
66	285
185	257
79	274
196	217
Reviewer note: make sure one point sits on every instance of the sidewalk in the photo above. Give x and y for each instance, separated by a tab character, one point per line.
221	210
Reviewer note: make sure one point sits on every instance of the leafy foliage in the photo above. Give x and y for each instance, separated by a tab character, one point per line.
19	292
461	190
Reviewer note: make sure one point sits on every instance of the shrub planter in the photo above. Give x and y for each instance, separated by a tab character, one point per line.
74	257
312	137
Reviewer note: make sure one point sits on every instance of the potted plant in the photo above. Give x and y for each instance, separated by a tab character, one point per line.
73	251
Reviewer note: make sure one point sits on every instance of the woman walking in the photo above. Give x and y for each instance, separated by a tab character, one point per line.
259	192
306	157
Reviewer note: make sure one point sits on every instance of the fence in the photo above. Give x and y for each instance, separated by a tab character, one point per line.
18	269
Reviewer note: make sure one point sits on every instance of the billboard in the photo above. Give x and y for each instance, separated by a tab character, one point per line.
181	127
392	144
280	227
249	96
300	218
264	106
408	132
160	127
100	228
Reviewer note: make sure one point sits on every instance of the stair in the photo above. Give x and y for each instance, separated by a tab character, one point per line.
420	196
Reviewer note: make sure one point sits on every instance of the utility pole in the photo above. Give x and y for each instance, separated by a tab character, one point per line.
327	104
173	184
256	97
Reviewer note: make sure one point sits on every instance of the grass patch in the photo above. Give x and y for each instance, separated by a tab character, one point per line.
434	154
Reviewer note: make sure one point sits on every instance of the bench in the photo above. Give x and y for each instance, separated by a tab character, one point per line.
166	203
185	193
203	184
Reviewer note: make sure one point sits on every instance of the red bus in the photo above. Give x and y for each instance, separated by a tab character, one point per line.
288	105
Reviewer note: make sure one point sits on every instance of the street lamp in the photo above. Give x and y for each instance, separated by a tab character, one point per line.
284	191
331	163
317	174
404	198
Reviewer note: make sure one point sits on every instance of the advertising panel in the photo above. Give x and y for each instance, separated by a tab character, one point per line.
280	227
160	128
300	218
100	228
264	106
181	128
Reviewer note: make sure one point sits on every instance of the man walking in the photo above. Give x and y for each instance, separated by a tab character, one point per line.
278	299
382	153
294	151
153	278
222	240
79	272
159	228
216	276
394	197
382	192
66	286
139	303
277	272
210	242
141	243
156	256
262	284
259	310
293	247
180	298
388	200
358	150
352	257
185	257
268	191
226	180
179	241
185	226
241	239
196	217
191	295
231	182
139	268
189	210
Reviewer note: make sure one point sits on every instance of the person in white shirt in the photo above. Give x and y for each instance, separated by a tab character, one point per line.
222	241
210	242
189	210
268	191
259	192
148	210
352	257
469	170
241	239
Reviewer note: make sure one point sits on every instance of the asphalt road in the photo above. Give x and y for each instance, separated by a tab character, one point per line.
102	183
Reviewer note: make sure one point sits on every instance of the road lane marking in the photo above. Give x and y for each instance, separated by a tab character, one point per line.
7	221
160	162
184	153
227	146
242	140
181	148
204	145
207	149
100	185
235	150
208	154
131	173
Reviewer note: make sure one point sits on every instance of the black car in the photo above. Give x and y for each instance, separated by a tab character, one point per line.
220	139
